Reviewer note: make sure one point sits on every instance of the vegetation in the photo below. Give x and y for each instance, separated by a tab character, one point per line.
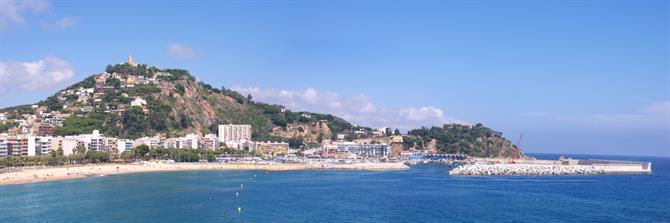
6	126
89	82
174	115
56	158
139	70
474	140
177	74
143	90
180	89
75	125
141	152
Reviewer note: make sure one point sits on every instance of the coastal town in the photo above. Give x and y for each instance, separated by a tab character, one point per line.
138	118
40	130
40	141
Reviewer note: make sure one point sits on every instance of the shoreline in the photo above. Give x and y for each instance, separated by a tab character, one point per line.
39	174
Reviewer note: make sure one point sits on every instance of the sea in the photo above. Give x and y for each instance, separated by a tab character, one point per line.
424	193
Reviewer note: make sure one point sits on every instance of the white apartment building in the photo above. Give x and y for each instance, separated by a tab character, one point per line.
209	142
189	141
123	145
4	148
234	133
39	145
93	141
152	142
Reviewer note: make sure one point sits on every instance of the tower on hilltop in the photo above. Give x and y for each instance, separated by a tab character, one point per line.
130	61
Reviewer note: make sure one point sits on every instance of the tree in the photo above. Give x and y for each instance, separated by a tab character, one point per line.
180	89
79	150
134	122
97	156
249	98
396	132
295	142
140	151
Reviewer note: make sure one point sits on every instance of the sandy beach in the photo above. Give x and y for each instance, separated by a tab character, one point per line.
42	174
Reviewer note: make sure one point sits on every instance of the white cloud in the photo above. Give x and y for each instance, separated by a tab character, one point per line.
654	115
359	109
61	24
180	52
13	12
47	72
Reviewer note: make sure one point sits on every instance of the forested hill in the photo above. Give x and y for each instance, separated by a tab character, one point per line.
474	140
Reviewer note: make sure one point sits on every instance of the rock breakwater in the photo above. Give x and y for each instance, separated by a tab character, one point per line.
540	169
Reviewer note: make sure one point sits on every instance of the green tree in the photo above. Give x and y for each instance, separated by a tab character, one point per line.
180	89
134	123
140	151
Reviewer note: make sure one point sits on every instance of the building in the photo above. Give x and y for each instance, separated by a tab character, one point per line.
382	131
87	109
234	133
189	141
209	142
269	148
138	102
45	130
131	62
397	139
39	145
93	141
152	142
4	149
67	144
123	145
110	145
17	145
353	150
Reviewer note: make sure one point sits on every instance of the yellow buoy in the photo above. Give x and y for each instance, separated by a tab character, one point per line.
239	210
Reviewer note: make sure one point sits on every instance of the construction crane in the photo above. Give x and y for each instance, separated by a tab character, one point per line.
518	145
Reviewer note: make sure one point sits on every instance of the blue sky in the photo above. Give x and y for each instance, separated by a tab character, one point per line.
572	76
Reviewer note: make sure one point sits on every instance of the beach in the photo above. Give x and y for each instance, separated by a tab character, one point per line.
42	174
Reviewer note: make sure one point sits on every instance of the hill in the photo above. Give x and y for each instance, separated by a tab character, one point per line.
132	101
475	140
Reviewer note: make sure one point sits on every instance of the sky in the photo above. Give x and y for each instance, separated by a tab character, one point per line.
574	77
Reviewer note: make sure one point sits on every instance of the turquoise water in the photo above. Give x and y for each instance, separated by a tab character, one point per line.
422	194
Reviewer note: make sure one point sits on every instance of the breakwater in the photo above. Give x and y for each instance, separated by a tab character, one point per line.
590	167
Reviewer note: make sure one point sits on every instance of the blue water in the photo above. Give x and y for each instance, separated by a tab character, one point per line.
422	194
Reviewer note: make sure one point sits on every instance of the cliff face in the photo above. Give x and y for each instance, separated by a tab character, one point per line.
311	132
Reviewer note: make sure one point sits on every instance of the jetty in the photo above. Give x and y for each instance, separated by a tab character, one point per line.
552	167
